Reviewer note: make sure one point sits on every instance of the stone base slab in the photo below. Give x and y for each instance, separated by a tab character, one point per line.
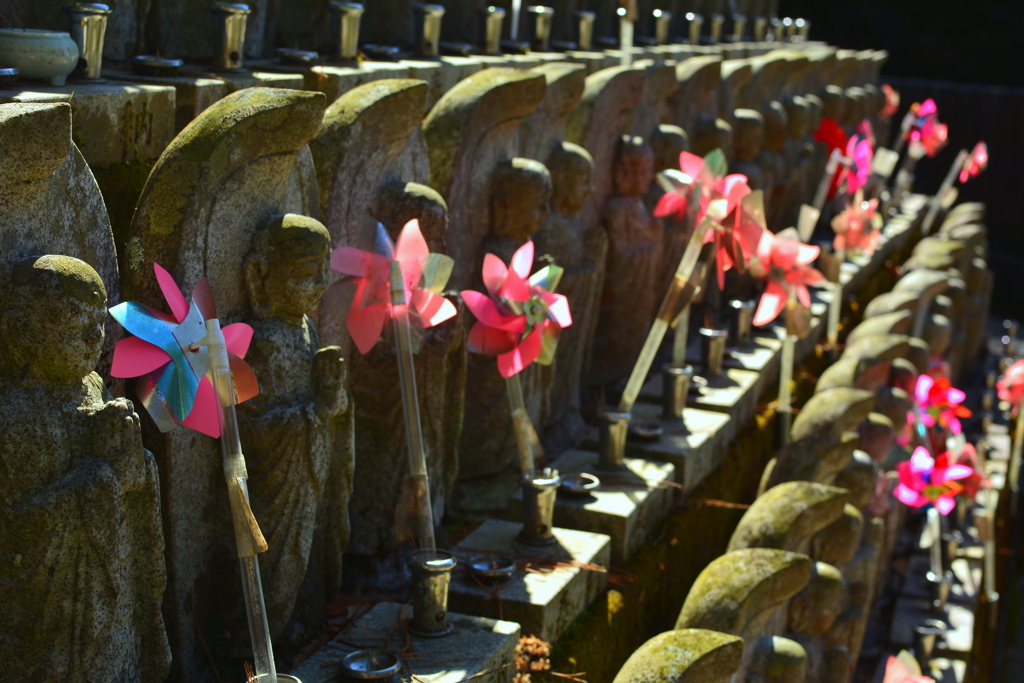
550	588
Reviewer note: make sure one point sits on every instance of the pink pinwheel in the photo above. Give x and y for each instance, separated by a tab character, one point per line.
1011	385
424	276
975	163
925	481
786	265
521	317
859	150
940	403
897	672
892	101
169	357
855	227
678	187
968	458
927	130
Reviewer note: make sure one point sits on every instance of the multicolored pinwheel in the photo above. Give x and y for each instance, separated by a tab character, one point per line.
923	481
860	150
168	356
520	318
927	130
897	672
892	101
976	163
424	276
855	227
1011	385
786	265
940	403
968	458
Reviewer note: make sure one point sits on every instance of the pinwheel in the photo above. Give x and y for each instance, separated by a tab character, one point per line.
423	275
976	163
519	320
897	672
855	227
402	283
860	150
892	101
924	481
939	402
1011	386
832	134
786	265
193	374
678	186
968	458
169	357
927	131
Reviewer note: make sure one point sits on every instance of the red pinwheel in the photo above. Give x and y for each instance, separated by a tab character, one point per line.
927	131
975	163
1011	385
897	672
678	186
968	458
855	227
423	274
786	265
892	101
940	403
521	318
834	137
169	356
925	480
860	150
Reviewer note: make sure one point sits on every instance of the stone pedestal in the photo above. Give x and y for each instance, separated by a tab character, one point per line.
546	596
335	81
628	506
476	646
734	392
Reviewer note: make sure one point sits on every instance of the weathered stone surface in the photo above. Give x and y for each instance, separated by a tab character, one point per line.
80	529
544	602
877	436
597	124
786	516
817	461
812	613
923	283
894	404
777	660
698	78
654	109
43	169
869	374
891	302
477	646
736	73
748	140
216	186
684	656
738	592
897	322
837	543
859	479
544	128
125	26
834	411
886	347
114	123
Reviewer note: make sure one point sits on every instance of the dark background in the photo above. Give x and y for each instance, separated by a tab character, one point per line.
969	57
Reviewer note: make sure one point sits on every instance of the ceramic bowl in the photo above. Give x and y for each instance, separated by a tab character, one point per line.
49	55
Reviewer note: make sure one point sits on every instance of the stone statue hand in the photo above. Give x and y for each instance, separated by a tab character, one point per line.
119	442
329	375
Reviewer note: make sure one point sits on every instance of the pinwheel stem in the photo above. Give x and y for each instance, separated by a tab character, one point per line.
526	436
249	539
786	378
1015	455
626	41
679	343
834	160
905	125
835	307
422	509
935	530
936	204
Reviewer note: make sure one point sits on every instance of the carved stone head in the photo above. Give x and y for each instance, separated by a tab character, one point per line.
776	126
799	113
398	203
837	543
834	100
634	167
817	108
713	134
668	143
286	268
520	198
571	168
813	610
52	312
856	106
748	134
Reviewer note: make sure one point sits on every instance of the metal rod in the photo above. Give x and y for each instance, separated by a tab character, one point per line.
526	435
936	204
411	410
679	342
835	307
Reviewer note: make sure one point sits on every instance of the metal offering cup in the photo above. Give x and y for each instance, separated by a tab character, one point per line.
675	385
491	20
370	665
491	567
229	21
713	346
742	321
925	634
428	29
87	24
540	19
539	491
584	23
345	20
613	428
431	574
662	23
938	588
578	484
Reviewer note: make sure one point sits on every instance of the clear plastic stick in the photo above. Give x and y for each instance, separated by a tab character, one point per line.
935	531
835	307
786	377
679	343
936	204
821	194
526	436
668	305
248	538
901	139
424	520
1015	455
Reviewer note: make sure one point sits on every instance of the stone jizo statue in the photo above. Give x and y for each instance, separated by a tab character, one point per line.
748	141
81	539
668	143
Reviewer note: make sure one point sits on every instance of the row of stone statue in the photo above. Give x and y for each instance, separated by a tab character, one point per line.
127	551
791	600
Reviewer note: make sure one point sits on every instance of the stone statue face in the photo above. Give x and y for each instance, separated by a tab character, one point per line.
398	203
668	143
286	271
520	199
634	171
748	138
54	314
814	609
798	118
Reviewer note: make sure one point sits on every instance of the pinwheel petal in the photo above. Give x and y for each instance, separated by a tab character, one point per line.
489	341
172	293
486	311
432	309
352	261
802	295
134	357
494	274
945	504
955	472
558	309
522	261
246	384
411	245
365	325
921	391
238	337
927	108
516	360
515	287
670	204
955	395
204	416
909	496
897	672
690	164
772	302
921	461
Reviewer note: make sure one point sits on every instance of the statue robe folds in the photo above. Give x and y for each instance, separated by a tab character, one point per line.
84	542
